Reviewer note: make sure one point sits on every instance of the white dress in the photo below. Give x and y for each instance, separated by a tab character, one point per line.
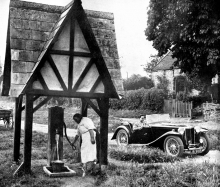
88	150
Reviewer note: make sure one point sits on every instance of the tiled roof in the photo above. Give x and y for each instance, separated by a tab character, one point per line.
166	63
32	27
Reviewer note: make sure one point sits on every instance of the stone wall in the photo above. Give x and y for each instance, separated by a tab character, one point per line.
30	26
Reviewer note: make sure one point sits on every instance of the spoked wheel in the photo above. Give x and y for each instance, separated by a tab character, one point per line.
173	146
205	145
122	138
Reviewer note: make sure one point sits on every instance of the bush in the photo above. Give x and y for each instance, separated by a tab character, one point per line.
198	100
129	113
142	99
136	82
153	100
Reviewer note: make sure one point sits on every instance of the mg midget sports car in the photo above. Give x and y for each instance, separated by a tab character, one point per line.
174	139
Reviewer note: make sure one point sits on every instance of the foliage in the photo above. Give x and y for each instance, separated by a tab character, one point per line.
153	100
182	96
199	99
143	99
150	65
140	154
136	82
214	137
163	84
131	113
190	29
170	175
182	83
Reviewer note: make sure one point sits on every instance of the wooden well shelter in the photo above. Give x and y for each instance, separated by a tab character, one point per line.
55	51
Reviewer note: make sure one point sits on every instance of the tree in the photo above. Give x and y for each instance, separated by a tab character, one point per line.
150	65
136	82
191	30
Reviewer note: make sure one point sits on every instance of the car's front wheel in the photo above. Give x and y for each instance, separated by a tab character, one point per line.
205	145
173	146
122	137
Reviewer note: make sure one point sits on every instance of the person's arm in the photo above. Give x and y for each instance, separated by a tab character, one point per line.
136	126
91	132
75	139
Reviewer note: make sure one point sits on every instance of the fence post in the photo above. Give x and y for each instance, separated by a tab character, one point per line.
173	107
190	110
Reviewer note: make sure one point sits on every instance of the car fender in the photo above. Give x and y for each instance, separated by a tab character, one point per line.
126	128
164	135
203	130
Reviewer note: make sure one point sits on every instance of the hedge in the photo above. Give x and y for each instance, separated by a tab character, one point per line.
143	99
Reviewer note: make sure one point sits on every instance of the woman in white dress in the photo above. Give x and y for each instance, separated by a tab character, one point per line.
87	131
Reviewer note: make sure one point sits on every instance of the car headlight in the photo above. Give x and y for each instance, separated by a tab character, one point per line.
200	140
197	129
181	130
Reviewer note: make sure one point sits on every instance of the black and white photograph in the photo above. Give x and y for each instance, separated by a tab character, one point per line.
110	93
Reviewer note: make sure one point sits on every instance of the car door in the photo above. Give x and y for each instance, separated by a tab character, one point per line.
143	135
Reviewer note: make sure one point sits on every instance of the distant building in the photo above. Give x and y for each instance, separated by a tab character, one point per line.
165	67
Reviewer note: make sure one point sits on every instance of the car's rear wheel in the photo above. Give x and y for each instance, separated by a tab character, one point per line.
173	146
122	137
206	145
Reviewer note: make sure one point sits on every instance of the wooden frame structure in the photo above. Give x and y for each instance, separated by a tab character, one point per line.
70	64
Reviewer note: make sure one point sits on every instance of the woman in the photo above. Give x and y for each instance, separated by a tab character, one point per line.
87	131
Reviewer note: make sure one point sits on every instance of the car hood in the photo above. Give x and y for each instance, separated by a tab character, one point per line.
169	125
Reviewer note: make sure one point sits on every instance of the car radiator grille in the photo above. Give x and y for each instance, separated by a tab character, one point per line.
190	135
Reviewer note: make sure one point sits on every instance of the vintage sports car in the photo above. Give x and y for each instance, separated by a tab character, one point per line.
174	139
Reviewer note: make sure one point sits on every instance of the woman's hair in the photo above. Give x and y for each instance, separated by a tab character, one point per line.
77	115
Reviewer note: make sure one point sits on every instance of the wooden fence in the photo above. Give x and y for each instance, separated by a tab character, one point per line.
177	108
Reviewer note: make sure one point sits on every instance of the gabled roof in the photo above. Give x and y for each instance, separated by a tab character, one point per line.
40	46
166	63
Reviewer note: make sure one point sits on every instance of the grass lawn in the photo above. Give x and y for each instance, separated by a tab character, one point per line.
153	169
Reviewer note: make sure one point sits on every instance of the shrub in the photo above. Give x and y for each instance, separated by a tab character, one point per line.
129	113
144	99
153	100
136	82
198	100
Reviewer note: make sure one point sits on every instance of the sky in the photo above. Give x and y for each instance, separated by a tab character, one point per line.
130	22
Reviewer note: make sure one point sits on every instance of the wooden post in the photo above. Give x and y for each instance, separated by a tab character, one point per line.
84	108
17	130
55	123
28	132
25	167
104	108
173	108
